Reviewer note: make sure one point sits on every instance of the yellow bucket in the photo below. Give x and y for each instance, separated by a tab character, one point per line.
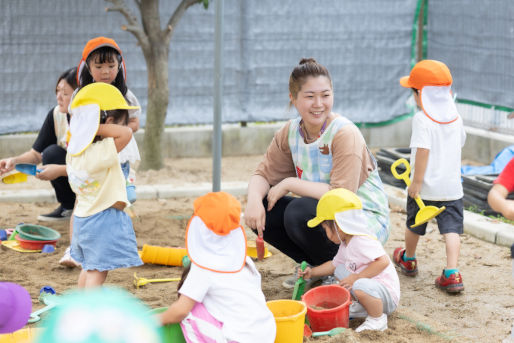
290	318
26	335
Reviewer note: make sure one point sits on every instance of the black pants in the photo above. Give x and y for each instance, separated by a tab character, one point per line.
287	230
54	154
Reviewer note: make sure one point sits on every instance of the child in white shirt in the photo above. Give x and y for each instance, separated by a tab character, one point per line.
221	299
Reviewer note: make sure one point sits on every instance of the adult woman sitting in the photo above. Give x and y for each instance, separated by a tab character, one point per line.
318	151
50	149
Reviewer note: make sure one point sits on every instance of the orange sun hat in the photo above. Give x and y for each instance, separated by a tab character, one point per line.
94	44
433	80
427	73
215	239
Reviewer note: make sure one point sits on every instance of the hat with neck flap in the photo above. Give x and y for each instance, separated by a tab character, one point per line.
215	239
345	208
433	80
94	44
85	113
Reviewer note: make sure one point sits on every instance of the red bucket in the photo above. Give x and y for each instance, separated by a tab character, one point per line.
327	307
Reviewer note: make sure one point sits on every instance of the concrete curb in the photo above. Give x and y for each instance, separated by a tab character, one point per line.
484	228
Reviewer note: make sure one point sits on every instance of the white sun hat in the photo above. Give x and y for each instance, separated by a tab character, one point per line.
85	113
438	104
215	239
354	222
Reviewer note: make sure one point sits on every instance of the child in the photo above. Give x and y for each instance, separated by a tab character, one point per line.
103	237
436	142
361	263
102	61
221	299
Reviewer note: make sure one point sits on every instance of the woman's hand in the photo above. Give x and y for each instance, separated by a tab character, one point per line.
348	281
51	172
255	216
276	192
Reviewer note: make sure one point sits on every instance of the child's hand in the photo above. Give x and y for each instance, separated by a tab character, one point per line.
306	274
348	281
414	190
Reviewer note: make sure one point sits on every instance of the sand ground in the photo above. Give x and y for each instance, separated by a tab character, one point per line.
484	312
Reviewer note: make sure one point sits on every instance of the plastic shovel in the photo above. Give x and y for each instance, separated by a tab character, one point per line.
425	213
299	286
259	244
29	169
141	281
47	298
333	332
15	178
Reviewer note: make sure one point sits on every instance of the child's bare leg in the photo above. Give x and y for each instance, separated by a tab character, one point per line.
92	278
373	305
411	242
82	279
452	249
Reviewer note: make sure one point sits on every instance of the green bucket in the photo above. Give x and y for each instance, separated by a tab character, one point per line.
37	233
171	333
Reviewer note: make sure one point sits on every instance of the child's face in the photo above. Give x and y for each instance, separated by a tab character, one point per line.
104	72
314	101
330	230
63	94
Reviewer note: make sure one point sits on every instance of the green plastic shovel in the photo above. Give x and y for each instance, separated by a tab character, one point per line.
333	332
299	286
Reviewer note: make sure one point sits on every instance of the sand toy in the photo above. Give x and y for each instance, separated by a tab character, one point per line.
141	281
425	213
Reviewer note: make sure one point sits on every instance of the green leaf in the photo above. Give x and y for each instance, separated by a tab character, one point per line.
205	4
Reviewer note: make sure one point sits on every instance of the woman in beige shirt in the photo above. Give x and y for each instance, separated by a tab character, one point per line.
318	151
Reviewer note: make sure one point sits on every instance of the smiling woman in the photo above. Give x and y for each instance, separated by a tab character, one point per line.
318	151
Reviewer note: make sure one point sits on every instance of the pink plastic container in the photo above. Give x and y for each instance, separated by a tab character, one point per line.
328	307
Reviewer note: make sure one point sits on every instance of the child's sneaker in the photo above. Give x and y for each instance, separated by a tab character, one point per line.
451	284
409	268
372	323
69	261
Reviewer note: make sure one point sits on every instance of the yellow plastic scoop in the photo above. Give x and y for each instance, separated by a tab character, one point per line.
15	178
425	213
141	281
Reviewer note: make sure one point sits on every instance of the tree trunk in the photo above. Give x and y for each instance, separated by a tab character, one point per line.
158	92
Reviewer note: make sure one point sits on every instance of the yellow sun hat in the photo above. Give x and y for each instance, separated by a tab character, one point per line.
106	96
332	202
85	113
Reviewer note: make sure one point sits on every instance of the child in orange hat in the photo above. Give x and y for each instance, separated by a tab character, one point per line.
221	299
102	61
437	139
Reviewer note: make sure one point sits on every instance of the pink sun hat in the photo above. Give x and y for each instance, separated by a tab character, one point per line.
16	306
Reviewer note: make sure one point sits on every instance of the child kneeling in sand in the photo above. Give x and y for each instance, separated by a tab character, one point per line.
361	264
221	299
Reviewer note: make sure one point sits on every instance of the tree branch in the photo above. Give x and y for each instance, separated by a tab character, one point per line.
133	26
175	18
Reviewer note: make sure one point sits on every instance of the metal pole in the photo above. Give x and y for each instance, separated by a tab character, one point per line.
218	98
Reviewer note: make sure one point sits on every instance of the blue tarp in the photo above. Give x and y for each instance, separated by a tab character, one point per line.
496	167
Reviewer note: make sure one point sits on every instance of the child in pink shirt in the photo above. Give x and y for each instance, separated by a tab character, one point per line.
361	264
